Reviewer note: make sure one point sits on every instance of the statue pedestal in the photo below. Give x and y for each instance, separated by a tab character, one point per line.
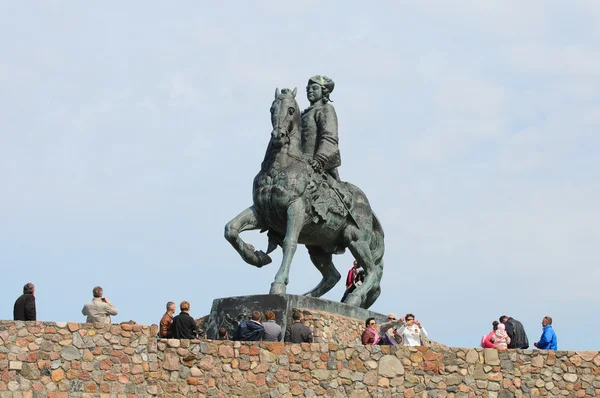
331	321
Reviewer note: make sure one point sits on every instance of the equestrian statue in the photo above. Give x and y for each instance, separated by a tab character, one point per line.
298	197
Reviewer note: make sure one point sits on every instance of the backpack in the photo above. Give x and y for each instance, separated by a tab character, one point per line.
241	331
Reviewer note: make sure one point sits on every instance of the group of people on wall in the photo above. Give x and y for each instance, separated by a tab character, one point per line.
507	332
183	326
404	331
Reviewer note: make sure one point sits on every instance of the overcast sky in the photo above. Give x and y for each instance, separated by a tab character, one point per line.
131	133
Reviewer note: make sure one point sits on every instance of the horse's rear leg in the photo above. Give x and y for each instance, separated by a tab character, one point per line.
245	221
295	223
323	262
365	294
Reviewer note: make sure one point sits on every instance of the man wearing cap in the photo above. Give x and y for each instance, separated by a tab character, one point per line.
320	127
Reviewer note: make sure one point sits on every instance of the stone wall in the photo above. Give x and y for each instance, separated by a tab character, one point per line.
71	360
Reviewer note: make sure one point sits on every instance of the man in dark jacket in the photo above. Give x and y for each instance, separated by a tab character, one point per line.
298	332
251	330
24	309
184	326
516	332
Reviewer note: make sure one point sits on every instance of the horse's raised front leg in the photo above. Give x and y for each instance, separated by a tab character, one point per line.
245	221
295	222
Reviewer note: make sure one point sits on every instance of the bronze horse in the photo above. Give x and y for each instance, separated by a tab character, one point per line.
296	205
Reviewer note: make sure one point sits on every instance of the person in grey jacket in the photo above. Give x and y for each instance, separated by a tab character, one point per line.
272	329
99	309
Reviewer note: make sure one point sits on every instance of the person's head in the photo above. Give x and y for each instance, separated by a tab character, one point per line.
370	323
495	325
546	321
297	316
503	319
184	306
256	316
28	288
97	292
170	307
409	319
222	333
391	317
319	88
270	315
355	264
501	326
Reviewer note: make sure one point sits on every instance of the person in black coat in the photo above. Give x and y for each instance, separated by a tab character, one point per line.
184	326
24	309
516	332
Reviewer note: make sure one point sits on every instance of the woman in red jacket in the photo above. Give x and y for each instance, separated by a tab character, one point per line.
486	341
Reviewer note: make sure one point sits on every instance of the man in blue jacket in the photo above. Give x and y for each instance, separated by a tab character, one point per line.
548	339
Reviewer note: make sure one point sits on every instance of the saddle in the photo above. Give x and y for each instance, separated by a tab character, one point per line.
329	196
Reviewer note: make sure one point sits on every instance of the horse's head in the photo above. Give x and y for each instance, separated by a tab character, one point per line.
285	116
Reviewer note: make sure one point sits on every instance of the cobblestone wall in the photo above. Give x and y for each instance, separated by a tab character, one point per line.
71	360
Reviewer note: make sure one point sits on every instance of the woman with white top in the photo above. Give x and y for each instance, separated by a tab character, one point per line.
411	331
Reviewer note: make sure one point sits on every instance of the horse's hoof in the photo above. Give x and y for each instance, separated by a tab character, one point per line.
263	258
277	288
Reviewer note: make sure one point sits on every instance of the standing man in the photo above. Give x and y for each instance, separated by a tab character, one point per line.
24	309
99	309
320	127
166	321
548	339
298	332
355	278
516	332
184	326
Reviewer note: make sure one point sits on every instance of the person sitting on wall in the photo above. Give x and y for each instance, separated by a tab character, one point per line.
251	330
370	335
272	329
184	326
24	309
355	278
298	332
165	322
99	309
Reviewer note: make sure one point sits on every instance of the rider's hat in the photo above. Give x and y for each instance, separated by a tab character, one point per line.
323	81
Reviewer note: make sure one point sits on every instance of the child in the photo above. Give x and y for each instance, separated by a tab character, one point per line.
500	338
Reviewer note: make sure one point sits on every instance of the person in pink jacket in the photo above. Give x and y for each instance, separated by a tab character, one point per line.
486	340
501	339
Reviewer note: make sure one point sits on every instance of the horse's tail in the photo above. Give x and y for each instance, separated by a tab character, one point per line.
377	244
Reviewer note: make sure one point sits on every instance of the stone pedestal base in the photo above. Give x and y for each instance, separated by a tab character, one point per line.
331	321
